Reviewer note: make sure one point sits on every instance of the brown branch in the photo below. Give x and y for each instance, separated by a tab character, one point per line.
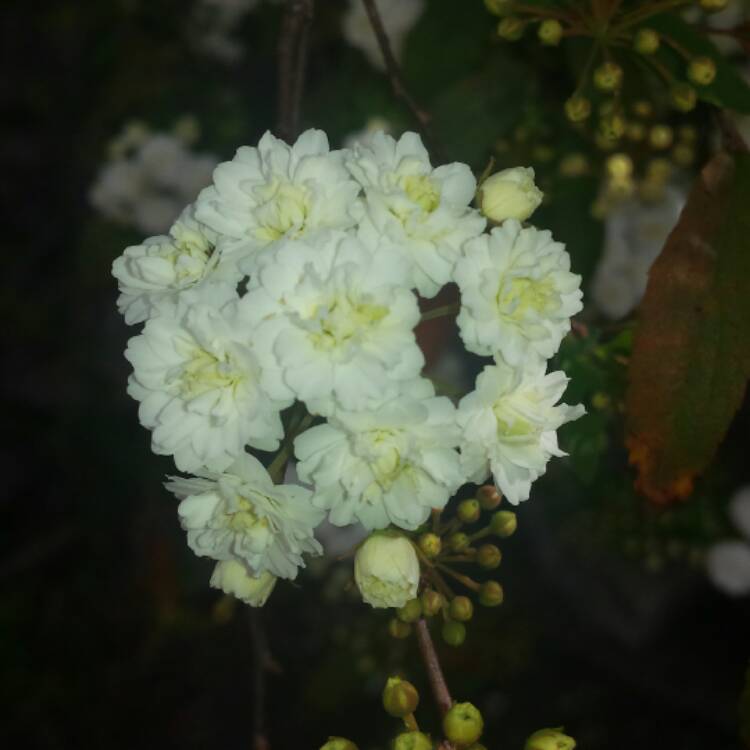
731	138
263	662
432	666
292	61
397	80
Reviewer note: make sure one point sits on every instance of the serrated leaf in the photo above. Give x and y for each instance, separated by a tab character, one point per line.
691	352
729	89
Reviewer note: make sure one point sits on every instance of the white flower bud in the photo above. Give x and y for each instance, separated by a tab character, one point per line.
386	570
510	194
234	578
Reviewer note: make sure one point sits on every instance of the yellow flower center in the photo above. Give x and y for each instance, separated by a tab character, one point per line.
521	294
344	321
245	518
511	422
284	210
422	191
205	372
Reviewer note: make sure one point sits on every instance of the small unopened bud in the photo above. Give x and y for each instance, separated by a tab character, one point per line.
488	496
463	724
432	602
511	28
497	7
399	629
577	108
612	127
504	523
454	633
491	594
701	70
550	32
469	510
646	42
411	611
660	137
458	542
412	741
713	6
400	698
461	608
550	739
489	556
386	570
608	76
339	743
430	544
683	97
619	166
510	194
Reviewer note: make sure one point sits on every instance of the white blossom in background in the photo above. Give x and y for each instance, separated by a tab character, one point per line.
389	465
278	191
386	570
198	379
336	319
213	25
635	233
364	136
398	16
149	179
425	211
510	424
235	579
241	515
517	293
728	561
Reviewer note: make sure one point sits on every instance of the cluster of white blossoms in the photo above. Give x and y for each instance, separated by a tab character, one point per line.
280	313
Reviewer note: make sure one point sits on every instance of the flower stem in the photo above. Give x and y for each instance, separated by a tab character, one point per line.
439	312
432	665
276	469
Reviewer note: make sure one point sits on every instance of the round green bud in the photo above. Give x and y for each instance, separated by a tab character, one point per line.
646	42
399	629
489	556
511	28
469	510
577	108
550	32
411	611
400	698
660	136
701	70
550	739
454	633
503	523
458	542
497	7
490	594
463	724
461	608
683	97
488	496
608	76
412	741
612	127
713	6
339	743
432	602
430	545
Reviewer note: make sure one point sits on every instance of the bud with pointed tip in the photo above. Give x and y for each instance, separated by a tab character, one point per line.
386	570
463	724
400	697
510	194
490	594
550	739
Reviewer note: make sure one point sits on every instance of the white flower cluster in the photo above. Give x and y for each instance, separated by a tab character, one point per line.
292	280
728	561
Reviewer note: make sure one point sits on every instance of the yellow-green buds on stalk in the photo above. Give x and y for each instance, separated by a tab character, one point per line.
386	570
339	743
400	698
497	7
454	633
511	28
430	545
646	42
489	556
469	510
412	741
399	629
701	70
432	602
577	108
411	611
608	76
463	724
491	594
457	542
612	127
488	496
504	523
550	32
660	137
550	739
683	97
461	608
713	6
510	194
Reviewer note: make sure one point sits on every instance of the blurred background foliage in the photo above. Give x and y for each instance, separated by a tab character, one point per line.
110	634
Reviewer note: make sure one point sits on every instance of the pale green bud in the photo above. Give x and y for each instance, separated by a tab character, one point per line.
578	108
412	741
432	602
398	628
461	608
497	7
701	70
683	97
386	570
608	76
504	523
411	611
469	510
510	194
400	698
339	743
646	42
430	544
489	556
490	594
458	542
454	633
233	578
661	136
550	739
511	28
463	724
550	32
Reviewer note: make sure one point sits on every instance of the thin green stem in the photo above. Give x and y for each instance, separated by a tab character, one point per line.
439	312
465	580
647	11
